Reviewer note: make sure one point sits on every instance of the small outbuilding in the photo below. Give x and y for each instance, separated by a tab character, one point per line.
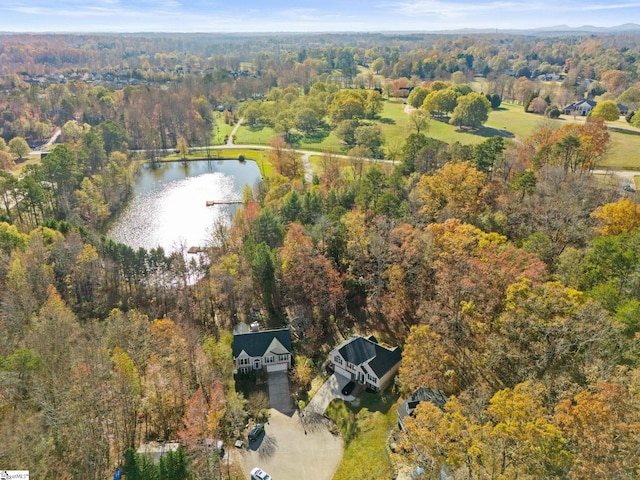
422	394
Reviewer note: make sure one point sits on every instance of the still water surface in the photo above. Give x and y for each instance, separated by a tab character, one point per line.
168	207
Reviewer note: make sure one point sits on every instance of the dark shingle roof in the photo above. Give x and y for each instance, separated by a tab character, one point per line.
421	395
360	350
256	343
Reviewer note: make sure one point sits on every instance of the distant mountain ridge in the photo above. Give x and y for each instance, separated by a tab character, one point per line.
557	29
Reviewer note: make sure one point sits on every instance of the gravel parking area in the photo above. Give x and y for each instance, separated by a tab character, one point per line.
294	448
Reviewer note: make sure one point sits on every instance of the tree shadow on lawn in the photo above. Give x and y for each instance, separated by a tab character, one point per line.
387	121
255	128
486	132
317	136
374	402
249	383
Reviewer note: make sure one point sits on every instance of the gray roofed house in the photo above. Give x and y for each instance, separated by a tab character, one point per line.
423	394
580	108
365	361
266	349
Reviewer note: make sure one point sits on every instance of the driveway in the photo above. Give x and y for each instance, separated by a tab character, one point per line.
328	391
292	449
279	395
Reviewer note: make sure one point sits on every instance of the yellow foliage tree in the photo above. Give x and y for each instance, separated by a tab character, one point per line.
453	190
619	217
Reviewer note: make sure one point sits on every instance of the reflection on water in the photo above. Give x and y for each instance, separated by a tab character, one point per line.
168	208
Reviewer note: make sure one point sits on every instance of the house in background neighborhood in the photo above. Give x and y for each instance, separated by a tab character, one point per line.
548	77
580	108
623	109
268	350
423	394
363	360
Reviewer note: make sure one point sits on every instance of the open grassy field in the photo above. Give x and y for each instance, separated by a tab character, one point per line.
222	129
254	135
510	117
375	416
330	143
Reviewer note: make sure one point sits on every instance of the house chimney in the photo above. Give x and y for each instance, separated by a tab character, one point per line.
255	327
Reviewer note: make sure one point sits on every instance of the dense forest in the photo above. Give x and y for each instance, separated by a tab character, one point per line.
508	274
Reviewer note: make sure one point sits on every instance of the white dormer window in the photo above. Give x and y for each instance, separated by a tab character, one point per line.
338	359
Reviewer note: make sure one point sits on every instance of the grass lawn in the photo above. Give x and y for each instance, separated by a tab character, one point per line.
624	153
512	118
328	143
254	135
222	130
375	416
258	156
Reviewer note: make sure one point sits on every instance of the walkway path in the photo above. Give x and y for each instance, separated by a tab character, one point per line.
232	135
308	171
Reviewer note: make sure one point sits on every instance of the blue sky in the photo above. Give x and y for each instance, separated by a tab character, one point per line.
305	15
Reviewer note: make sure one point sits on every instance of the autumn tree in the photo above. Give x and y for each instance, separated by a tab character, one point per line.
427	362
607	110
601	426
615	218
309	277
441	102
284	159
471	110
420	120
511	438
551	333
452	190
19	148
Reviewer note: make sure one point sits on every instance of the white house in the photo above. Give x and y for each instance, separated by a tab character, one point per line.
580	108
267	349
365	361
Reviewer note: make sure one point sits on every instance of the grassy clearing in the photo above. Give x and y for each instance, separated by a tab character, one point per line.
512	118
396	123
328	143
254	135
374	416
624	152
222	130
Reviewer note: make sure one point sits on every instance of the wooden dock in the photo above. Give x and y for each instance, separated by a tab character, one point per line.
211	203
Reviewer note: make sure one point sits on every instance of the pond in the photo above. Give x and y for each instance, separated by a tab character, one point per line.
169	203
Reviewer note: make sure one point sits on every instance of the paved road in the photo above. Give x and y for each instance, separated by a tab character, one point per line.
625	176
232	135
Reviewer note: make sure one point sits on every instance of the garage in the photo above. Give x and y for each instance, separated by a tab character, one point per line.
279	367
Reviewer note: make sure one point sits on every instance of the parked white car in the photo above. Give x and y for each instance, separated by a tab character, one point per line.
258	474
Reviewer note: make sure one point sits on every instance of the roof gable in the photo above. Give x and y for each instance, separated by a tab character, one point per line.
256	344
360	350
